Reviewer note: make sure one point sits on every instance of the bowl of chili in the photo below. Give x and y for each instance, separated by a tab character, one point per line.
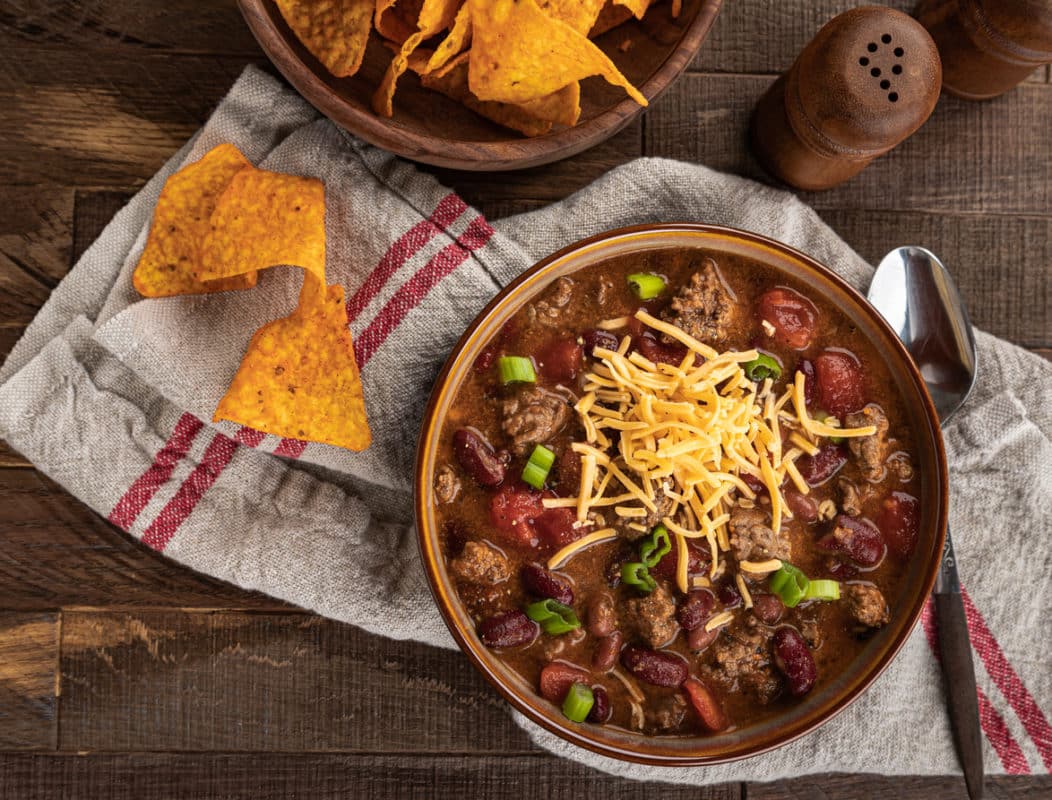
680	494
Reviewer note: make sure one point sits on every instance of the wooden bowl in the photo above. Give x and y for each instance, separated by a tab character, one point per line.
838	691
431	128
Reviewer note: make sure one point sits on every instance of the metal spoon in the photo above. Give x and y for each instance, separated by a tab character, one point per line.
913	291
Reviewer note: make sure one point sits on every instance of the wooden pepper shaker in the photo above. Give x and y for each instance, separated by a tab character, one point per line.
868	79
988	46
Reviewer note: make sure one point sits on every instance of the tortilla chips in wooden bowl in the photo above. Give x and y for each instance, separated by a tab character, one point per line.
481	84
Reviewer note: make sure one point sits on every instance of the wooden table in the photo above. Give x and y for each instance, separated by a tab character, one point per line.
123	674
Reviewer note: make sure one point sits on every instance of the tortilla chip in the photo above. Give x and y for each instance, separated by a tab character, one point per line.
637	7
677	6
435	16
265	219
335	32
452	81
172	254
396	20
299	379
562	107
455	42
610	17
519	53
578	14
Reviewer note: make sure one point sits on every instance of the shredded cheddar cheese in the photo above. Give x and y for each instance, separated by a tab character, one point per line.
719	620
585	541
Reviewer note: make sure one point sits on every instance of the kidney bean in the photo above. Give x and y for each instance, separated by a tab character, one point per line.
602	616
560	360
659	352
758	487
699	638
856	539
768	608
841	570
728	595
706	705
696	609
697	561
543	583
653	666
594	338
899	521
606	652
793	658
840	382
601	709
792	315
823	465
477	457
810	380
510	629
804	508
557	678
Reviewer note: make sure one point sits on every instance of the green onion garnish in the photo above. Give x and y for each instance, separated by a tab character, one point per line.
646	285
516	369
537	468
824	417
789	583
655	547
822	590
763	367
554	617
635	573
578	703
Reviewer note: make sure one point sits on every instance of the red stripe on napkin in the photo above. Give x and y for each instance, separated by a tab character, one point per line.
157	474
404	248
411	293
992	723
1009	682
249	437
290	448
217	455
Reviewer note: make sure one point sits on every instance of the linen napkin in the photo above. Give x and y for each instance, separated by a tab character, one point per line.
111	396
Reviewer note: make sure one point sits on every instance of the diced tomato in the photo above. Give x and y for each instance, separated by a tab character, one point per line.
899	521
698	560
560	360
706	705
823	465
557	678
513	508
555	527
792	315
840	382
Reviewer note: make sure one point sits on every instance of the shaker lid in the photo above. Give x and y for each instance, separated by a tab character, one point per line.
869	78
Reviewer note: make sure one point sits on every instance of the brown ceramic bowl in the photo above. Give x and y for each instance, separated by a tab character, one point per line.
831	697
431	128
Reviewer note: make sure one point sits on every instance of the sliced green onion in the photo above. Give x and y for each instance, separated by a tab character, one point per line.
646	285
537	468
762	367
655	547
789	583
822	590
554	617
516	369
635	573
578	703
824	417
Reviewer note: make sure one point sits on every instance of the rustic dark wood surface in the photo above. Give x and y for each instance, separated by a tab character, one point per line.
123	675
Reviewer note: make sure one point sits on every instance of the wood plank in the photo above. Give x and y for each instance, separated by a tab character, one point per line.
320	776
92	211
28	664
989	157
56	552
877	787
176	26
258	682
1002	264
107	120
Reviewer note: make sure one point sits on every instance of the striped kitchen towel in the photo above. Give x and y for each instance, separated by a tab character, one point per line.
112	396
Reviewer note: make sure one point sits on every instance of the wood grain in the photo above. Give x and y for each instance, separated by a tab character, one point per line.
957	162
55	552
28	658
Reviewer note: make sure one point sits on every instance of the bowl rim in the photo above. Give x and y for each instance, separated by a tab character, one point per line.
651	753
514	152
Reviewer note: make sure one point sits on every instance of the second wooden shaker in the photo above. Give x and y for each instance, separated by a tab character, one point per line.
869	78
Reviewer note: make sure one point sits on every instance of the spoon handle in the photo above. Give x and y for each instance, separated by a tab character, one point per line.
956	654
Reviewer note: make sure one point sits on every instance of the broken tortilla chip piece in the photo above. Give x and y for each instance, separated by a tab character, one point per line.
609	18
172	254
299	378
578	14
396	20
637	7
266	219
435	16
512	39
455	42
335	32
